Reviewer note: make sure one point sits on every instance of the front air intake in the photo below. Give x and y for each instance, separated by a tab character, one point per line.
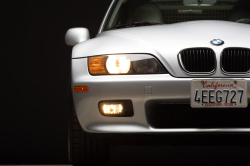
197	61
180	115
235	61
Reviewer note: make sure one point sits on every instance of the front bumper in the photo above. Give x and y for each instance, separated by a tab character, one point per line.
164	87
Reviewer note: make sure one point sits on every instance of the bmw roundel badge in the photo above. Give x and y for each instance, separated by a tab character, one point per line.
217	42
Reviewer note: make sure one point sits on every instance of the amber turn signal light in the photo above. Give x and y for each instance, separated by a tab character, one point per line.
97	65
84	88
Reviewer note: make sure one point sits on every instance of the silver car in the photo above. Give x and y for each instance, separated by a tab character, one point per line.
158	67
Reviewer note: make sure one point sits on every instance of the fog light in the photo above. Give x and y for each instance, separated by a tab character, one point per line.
112	108
121	108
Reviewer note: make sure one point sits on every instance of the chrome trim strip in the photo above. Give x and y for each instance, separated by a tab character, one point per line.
196	73
232	73
105	17
137	128
197	130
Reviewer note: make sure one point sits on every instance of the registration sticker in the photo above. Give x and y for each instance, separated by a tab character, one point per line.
218	93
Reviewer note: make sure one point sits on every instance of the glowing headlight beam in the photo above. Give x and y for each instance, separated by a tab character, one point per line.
118	64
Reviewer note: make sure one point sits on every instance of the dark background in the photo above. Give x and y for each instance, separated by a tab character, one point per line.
36	67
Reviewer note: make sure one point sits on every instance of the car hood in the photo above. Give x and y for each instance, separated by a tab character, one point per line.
166	41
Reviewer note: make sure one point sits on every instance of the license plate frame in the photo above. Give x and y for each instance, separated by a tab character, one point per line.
206	93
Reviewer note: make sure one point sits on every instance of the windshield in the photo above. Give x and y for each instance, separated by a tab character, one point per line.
126	12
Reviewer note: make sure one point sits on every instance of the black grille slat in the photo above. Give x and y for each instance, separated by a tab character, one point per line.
203	52
207	58
195	66
201	61
212	60
232	59
244	59
191	61
183	116
248	60
198	60
235	60
223	63
241	66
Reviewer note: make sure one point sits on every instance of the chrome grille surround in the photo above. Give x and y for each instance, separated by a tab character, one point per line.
211	53
247	58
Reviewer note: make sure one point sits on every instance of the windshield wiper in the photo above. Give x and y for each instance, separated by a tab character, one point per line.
135	24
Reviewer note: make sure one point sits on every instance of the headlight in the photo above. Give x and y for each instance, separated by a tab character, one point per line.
125	64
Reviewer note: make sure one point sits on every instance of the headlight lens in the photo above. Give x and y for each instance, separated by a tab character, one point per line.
118	64
125	64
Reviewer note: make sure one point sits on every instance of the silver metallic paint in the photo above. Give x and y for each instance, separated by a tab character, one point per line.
76	35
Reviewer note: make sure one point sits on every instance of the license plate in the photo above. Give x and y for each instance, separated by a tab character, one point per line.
219	93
